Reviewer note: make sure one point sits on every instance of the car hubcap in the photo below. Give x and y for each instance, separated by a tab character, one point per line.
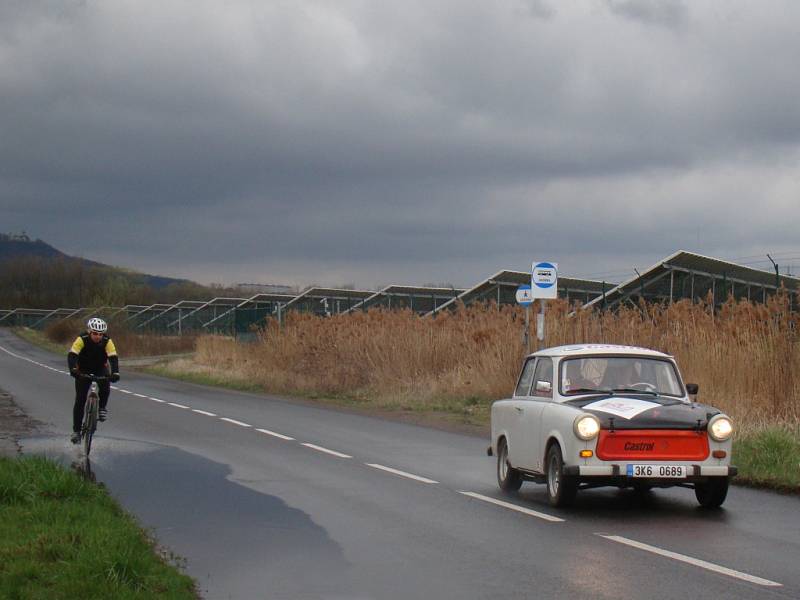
553	476
503	464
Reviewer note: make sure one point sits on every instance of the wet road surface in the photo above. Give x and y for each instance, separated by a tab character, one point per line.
268	499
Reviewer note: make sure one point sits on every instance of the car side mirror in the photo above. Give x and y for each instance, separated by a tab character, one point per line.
544	387
692	389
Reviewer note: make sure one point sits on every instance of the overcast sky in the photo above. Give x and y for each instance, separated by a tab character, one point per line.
370	142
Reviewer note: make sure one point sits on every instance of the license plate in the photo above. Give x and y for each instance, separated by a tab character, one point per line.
659	471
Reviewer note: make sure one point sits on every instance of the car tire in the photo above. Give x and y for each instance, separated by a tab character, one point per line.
561	489
508	478
712	492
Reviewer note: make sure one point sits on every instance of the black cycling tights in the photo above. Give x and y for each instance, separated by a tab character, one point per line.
81	389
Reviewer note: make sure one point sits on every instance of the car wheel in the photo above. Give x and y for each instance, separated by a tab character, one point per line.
561	489
508	478
712	493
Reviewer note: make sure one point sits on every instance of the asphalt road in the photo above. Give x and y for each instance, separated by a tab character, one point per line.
265	498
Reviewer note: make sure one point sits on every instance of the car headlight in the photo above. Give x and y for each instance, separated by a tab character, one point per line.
586	427
720	428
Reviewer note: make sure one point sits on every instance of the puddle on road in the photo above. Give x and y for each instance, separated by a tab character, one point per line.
236	542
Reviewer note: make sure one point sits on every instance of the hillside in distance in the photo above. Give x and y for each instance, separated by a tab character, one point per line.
34	274
20	246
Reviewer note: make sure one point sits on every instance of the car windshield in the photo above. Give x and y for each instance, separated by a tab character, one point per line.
633	374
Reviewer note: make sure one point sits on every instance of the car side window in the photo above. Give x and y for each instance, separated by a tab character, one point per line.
525	378
543	378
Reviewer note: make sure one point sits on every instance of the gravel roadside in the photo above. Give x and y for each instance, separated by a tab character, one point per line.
14	424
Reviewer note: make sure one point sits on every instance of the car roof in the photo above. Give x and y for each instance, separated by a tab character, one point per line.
598	349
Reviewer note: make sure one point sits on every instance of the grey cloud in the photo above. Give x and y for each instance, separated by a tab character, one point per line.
368	137
673	14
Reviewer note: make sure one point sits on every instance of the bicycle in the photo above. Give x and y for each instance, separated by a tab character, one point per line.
90	411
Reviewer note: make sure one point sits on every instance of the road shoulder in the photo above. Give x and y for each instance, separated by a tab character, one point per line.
14	425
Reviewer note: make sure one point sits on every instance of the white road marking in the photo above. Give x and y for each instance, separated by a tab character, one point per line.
326	451
235	422
401	473
175	404
522	509
692	561
139	395
274	434
158	400
125	391
202	412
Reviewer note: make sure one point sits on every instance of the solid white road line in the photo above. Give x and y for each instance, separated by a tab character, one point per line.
326	451
175	404
235	422
401	473
277	435
692	561
522	509
202	412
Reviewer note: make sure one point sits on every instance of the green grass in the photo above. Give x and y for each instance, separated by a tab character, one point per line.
769	458
38	338
63	537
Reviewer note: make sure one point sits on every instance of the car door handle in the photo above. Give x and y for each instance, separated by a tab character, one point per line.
520	409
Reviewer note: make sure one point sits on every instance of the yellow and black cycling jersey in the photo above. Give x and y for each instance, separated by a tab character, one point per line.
92	357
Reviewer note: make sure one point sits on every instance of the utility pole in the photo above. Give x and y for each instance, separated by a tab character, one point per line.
777	273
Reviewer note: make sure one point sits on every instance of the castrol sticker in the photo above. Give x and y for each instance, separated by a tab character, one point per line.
627	408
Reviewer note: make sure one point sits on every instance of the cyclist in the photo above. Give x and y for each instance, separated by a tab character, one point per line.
92	353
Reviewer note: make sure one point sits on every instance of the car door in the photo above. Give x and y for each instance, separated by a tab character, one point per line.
541	396
530	415
515	411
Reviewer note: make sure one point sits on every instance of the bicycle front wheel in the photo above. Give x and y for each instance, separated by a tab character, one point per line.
89	424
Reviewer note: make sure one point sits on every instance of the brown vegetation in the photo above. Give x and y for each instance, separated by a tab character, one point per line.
128	344
745	356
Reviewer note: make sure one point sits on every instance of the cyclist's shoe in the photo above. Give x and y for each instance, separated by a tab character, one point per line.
102	414
75	438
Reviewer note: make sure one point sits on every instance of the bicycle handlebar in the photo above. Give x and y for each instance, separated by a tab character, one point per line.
93	377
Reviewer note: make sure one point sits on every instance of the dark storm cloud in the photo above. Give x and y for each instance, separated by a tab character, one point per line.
354	140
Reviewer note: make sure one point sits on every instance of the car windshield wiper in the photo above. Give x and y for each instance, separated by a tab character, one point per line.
634	391
590	391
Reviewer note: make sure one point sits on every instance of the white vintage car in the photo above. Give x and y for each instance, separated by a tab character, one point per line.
600	415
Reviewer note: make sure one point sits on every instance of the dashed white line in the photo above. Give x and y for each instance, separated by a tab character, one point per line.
277	435
124	391
139	395
203	412
692	561
522	509
158	400
235	422
175	404
326	450
401	473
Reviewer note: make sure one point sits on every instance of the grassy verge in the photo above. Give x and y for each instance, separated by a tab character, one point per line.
63	537
38	338
468	414
769	458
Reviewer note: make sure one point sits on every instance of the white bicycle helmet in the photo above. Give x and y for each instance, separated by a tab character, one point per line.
97	324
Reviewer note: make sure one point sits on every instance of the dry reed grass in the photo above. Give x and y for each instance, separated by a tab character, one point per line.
745	356
128	343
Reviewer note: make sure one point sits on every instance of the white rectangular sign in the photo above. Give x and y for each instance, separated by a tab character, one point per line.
544	280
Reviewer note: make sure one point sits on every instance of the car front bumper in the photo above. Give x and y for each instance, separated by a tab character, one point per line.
618	470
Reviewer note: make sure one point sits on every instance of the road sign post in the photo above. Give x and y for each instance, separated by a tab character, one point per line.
544	286
525	298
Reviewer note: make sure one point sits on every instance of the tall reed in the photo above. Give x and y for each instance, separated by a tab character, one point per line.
745	356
